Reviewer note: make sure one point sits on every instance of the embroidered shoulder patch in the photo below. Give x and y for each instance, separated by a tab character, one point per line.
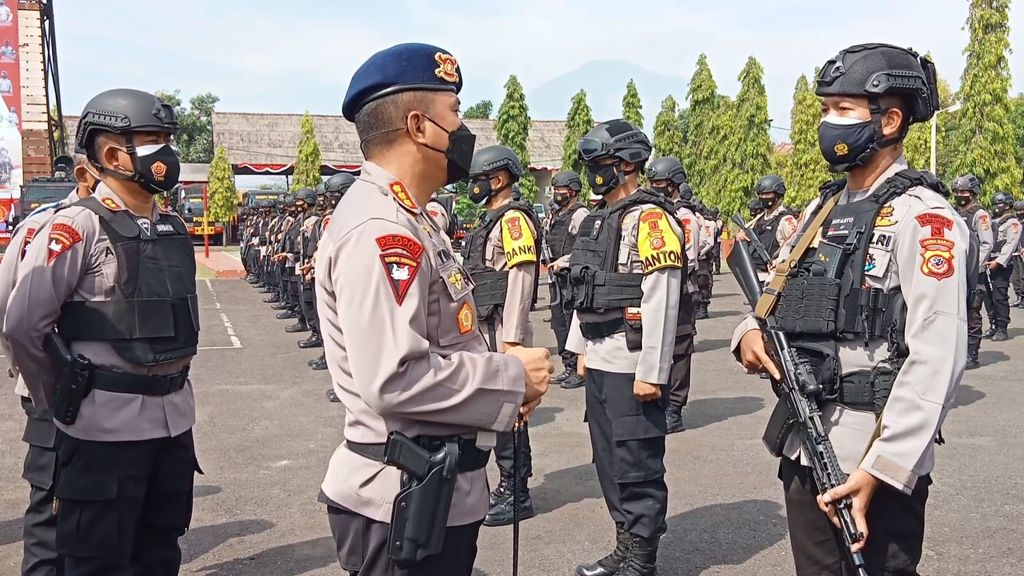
30	233
517	239
687	233
937	257
62	238
983	221
937	222
657	243
465	318
885	218
402	195
400	256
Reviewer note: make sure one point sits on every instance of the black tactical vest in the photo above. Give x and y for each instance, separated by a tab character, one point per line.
598	292
559	238
312	238
1000	239
968	216
153	316
492	285
766	230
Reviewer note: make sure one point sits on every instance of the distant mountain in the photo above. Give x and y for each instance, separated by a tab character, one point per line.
605	82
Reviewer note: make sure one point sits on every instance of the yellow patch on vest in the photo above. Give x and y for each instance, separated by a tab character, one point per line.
657	242
517	239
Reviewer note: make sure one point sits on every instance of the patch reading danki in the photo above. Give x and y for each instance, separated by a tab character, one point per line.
400	256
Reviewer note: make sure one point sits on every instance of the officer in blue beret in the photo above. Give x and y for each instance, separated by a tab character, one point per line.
423	396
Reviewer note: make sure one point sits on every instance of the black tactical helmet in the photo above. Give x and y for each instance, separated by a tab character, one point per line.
567	179
615	138
266	204
490	159
714	212
967	182
1019	206
685	192
875	70
1004	198
338	184
320	189
755	207
289	201
667	168
122	111
770	183
307	195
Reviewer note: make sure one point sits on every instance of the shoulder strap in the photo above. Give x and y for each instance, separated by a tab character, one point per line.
118	222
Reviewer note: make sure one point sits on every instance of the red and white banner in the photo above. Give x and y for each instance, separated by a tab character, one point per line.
10	92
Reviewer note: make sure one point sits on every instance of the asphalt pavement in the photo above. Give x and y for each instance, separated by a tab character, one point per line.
266	431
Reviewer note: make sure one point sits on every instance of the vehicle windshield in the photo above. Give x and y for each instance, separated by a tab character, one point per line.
193	207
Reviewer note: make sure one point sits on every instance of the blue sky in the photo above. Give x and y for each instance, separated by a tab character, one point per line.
298	55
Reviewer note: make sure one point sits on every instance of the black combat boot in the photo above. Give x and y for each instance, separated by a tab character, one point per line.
572	382
287	315
299	326
320	364
502	513
315	360
642	559
272	299
1000	335
562	376
972	360
674	418
280	306
990	333
501	492
314	341
331	396
609	564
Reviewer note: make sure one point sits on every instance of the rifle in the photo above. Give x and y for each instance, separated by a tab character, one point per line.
802	394
752	238
548	259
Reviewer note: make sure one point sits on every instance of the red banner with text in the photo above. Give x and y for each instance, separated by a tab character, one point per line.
10	91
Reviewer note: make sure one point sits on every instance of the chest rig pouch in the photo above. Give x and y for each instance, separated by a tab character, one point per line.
492	285
767	232
607	301
153	316
827	300
559	240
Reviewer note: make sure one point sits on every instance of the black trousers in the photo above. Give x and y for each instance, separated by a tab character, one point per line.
308	302
1000	313
1017	277
362	546
628	440
282	282
705	281
560	321
716	258
895	525
39	532
504	454
974	323
123	505
682	356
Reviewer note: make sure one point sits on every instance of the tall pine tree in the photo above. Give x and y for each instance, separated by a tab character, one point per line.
726	187
513	130
806	170
222	199
668	137
753	153
983	138
701	137
577	124
307	164
632	107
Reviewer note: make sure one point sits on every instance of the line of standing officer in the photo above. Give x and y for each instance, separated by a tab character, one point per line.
103	323
626	277
1000	264
334	188
966	190
774	225
1017	277
561	228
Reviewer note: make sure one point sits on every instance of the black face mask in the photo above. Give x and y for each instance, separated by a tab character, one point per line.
846	146
962	200
156	167
767	203
663	190
603	178
999	209
480	190
459	152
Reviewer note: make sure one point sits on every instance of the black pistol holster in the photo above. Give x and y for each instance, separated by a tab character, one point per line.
73	382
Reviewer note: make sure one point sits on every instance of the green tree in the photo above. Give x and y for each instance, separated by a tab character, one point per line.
631	106
668	136
195	125
513	130
983	138
806	170
726	185
275	185
752	154
307	163
701	138
1017	122
917	146
222	198
482	110
579	121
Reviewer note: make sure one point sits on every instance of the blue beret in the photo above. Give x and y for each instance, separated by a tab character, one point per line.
399	69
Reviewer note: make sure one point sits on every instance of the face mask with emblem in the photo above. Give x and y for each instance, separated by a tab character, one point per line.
155	167
562	200
480	190
603	178
846	143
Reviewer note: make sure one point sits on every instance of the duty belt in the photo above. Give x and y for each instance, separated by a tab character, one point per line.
142	384
471	458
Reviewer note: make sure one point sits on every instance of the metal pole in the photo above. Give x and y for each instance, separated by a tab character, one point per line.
935	124
206	220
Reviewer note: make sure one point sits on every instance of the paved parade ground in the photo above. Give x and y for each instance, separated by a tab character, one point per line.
266	432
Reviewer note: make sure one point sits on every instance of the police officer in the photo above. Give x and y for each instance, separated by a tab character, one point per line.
702	276
334	188
309	236
40	557
667	176
279	260
966	190
902	267
441	209
755	208
424	369
501	256
1007	244
1017	277
716	252
626	273
115	276
775	225
560	230
289	254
